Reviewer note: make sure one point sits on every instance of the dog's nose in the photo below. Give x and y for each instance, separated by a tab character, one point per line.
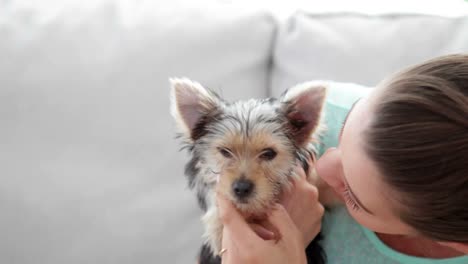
242	188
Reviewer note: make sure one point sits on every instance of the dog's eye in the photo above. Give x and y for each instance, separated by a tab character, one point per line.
268	154
225	152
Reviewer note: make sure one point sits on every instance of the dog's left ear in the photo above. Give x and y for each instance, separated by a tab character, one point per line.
302	105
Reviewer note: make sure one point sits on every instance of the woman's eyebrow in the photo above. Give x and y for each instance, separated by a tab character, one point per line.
356	199
346	118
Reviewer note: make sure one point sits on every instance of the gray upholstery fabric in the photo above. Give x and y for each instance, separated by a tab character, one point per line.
89	168
358	48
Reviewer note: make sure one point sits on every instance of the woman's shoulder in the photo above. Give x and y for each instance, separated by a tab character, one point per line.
345	241
343	95
340	99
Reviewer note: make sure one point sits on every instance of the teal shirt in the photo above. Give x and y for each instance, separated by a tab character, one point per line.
346	241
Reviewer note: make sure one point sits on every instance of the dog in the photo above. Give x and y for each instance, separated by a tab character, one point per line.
246	150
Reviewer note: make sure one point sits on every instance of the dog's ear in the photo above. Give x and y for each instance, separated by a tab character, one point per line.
302	105
191	105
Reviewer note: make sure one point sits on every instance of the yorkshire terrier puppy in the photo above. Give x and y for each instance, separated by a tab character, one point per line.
246	150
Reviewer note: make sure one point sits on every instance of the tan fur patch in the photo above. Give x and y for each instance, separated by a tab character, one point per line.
267	176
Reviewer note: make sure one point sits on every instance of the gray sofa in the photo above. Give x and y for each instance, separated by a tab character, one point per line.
90	170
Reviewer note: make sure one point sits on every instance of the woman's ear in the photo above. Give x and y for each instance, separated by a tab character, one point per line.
458	246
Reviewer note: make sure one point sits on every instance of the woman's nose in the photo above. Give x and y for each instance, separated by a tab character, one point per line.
330	169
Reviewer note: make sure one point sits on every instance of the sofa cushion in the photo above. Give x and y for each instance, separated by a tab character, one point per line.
359	48
90	170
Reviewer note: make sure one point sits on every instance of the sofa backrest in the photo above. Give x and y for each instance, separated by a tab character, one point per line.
90	170
359	48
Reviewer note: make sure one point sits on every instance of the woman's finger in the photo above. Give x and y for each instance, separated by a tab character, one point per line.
234	223
263	232
280	218
300	171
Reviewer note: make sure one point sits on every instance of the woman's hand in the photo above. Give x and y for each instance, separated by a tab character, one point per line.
302	204
243	245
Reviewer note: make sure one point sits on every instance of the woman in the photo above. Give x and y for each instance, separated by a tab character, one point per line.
399	163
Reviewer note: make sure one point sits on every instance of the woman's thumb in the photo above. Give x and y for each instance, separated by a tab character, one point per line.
233	221
280	218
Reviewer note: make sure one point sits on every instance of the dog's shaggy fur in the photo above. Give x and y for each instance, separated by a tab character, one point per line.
246	150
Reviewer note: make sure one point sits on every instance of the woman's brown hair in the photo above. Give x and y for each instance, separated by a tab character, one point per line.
419	141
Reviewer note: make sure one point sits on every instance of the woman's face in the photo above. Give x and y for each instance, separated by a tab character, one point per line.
356	179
